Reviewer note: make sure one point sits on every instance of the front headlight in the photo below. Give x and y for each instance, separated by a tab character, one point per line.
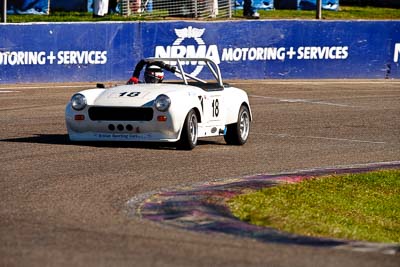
162	103
78	102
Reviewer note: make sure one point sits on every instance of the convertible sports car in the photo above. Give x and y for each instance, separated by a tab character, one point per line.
180	112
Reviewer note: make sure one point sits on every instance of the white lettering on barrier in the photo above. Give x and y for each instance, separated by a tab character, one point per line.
281	53
189	51
23	58
13	58
177	49
396	52
325	52
253	53
81	57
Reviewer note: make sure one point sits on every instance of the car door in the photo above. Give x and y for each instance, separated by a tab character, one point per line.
214	108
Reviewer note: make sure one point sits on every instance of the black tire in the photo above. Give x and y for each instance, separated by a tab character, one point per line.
238	133
190	131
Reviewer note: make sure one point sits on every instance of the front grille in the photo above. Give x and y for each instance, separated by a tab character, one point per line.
120	114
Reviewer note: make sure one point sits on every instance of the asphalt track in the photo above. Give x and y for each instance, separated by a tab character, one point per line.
64	204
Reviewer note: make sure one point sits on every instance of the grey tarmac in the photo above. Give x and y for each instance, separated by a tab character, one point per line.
64	204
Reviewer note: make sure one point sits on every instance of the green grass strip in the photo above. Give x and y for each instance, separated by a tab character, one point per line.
344	13
362	207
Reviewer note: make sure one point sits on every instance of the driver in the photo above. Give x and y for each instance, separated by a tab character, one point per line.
153	72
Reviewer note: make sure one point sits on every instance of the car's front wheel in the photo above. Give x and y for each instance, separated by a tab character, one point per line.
238	133
189	134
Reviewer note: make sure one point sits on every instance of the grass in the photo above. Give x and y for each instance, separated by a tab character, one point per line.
67	17
356	207
345	13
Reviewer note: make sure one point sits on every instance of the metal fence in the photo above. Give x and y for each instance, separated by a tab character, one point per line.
178	8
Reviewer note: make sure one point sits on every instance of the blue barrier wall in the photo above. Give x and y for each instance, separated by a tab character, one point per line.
62	52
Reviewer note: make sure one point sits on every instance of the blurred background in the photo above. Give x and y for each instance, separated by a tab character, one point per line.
182	8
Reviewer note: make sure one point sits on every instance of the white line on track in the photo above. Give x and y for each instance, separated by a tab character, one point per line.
314	82
323	138
48	86
307	101
8	91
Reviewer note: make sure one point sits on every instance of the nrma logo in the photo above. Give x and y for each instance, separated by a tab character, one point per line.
396	52
183	47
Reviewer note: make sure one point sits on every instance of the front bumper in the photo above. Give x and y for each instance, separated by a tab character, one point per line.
120	137
85	129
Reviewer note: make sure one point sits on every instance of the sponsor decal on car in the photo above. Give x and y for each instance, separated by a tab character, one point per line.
131	137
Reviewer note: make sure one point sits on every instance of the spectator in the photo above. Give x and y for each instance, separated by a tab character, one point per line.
113	6
248	10
100	8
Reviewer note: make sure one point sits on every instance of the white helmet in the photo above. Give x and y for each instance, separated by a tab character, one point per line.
153	74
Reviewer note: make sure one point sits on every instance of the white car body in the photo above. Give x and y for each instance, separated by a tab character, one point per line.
128	112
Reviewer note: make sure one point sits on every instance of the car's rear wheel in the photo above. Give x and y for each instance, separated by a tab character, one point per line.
238	133
189	134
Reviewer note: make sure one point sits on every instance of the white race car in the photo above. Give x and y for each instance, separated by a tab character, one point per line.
171	111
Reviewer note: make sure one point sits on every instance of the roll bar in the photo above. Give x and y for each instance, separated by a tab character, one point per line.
212	66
